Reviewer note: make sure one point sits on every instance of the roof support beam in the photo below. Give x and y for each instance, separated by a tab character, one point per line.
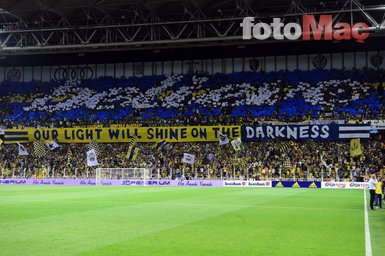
365	13
154	33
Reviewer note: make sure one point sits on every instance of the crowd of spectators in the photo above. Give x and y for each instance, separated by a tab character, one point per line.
234	99
237	98
305	160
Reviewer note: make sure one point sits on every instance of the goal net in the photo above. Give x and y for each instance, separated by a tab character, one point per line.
122	173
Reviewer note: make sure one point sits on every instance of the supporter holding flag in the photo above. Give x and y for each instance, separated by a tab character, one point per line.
52	145
162	145
287	164
132	153
286	146
133	141
22	150
95	146
39	148
188	158
92	158
355	147
327	165
69	156
237	144
209	157
223	139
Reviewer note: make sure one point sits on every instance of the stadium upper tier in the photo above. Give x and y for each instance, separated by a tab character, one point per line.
285	96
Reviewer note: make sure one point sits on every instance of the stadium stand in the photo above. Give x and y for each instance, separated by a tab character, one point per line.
192	127
183	99
238	98
259	161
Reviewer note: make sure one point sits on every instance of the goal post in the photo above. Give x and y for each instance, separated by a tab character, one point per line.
122	173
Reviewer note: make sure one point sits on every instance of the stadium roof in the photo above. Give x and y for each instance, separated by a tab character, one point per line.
96	11
88	12
73	26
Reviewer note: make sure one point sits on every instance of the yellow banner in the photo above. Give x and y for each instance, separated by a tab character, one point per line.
122	134
355	147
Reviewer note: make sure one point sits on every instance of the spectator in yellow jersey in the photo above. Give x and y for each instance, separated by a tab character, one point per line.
379	193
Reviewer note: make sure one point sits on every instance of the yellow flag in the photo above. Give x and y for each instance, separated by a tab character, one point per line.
132	153
355	147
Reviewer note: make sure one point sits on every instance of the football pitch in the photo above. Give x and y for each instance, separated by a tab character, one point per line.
36	220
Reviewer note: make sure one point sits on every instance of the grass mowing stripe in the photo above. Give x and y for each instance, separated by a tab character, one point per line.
368	244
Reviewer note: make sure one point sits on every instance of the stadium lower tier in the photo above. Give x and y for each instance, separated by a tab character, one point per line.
304	160
192	99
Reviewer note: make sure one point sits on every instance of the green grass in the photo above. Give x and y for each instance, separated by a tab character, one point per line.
184	221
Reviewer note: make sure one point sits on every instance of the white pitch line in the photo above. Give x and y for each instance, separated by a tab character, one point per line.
180	204
368	243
